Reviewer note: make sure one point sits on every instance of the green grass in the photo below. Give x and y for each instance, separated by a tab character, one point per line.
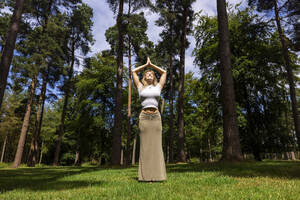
247	180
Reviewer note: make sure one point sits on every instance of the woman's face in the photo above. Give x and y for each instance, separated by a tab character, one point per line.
149	77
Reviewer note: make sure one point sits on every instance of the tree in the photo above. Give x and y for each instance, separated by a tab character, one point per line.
24	129
269	5
231	140
28	64
7	51
136	43
117	133
133	40
185	19
293	8
36	50
47	49
9	121
258	80
80	36
94	90
168	45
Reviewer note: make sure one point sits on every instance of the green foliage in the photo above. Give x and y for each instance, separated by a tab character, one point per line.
10	123
4	23
135	37
89	123
53	33
258	78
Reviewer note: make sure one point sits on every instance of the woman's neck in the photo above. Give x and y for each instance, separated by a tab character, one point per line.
150	83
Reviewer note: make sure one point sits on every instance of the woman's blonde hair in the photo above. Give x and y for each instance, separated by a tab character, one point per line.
144	82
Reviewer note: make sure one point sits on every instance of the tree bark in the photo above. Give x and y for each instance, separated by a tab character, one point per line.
34	146
290	75
77	153
122	157
127	156
293	155
61	131
181	153
33	152
231	139
3	149
41	155
76	158
38	134
162	106
209	150
18	156
31	158
9	47
171	122
133	150
116	143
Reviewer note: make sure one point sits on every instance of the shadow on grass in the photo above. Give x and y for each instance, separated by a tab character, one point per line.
44	178
272	169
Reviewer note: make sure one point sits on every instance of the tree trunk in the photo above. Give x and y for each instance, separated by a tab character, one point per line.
231	139
31	158
77	154
64	111
61	131
122	157
293	156
18	156
9	47
33	153
290	74
34	147
76	158
116	142
171	122
3	149
209	150
133	150
41	155
181	153
39	128
127	156
162	106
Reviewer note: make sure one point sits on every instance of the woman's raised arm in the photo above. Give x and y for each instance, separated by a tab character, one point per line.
162	72
136	79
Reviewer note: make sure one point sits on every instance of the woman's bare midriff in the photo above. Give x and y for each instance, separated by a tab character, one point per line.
150	110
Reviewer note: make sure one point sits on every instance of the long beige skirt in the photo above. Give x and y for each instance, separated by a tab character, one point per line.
151	162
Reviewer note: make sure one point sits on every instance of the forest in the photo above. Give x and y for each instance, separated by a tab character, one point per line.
62	105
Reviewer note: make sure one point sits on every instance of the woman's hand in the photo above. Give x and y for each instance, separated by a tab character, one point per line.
142	67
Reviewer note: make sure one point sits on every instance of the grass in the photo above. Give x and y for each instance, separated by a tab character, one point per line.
247	180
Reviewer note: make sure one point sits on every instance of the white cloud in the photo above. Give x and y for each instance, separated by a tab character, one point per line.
103	19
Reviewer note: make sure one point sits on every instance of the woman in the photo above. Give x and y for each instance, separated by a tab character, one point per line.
151	161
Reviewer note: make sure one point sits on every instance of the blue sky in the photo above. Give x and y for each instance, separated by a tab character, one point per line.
104	18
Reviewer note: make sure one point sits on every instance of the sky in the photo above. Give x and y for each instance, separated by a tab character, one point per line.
105	18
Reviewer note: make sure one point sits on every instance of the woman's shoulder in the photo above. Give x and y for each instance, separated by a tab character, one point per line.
158	85
140	87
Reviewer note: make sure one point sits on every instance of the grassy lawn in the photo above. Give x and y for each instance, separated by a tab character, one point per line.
248	180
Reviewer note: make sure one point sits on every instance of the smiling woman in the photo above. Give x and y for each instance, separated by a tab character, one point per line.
151	161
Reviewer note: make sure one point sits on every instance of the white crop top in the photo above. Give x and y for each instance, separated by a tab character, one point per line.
149	96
